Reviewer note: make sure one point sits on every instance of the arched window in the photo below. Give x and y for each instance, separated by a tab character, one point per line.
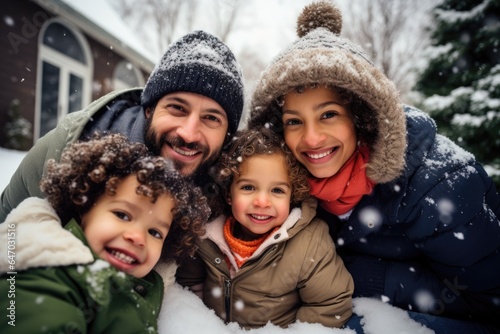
64	75
126	75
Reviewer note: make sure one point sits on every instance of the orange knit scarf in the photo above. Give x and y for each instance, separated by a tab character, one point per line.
341	192
241	249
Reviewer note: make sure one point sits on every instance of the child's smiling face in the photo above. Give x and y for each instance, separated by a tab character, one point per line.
261	194
127	229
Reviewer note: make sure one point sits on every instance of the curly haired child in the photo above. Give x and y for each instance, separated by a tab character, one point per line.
85	254
267	257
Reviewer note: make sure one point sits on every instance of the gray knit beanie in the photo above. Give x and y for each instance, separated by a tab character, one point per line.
199	63
321	57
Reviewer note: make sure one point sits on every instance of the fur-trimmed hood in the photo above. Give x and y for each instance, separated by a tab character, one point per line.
321	57
33	234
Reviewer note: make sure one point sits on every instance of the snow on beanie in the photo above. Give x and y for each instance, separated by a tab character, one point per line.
199	63
320	56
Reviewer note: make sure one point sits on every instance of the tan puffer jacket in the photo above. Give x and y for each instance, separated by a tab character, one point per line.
295	275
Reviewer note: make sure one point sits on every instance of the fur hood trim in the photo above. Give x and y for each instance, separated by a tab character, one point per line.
33	235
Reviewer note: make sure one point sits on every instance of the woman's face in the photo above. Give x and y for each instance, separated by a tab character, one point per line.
318	130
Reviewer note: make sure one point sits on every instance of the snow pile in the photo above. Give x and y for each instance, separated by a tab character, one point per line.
183	312
10	161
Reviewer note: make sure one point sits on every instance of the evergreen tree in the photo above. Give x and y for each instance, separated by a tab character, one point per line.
17	130
461	84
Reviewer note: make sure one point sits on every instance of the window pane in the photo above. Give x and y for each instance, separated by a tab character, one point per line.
50	97
75	93
63	40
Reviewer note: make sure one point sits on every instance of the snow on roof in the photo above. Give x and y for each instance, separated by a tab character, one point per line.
102	14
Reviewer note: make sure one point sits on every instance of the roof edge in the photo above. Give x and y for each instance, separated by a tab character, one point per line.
59	7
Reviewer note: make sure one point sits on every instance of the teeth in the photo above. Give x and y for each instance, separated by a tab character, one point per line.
319	156
123	257
260	217
188	153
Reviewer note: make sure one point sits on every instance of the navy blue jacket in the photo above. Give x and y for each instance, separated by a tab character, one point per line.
430	240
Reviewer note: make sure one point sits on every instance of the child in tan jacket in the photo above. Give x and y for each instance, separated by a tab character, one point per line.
267	257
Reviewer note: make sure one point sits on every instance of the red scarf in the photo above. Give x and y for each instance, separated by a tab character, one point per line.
339	193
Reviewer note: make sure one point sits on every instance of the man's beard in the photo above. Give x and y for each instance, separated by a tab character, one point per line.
199	174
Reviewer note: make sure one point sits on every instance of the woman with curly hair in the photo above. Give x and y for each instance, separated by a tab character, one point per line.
84	256
267	258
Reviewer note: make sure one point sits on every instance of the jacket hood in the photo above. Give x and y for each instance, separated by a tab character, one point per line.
34	229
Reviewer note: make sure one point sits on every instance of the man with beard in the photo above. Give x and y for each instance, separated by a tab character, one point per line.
190	107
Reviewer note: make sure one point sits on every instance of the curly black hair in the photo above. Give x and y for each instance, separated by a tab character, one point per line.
88	169
248	143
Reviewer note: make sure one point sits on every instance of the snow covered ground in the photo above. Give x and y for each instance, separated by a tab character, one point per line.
9	160
184	312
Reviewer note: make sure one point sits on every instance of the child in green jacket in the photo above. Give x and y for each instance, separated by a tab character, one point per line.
267	258
123	210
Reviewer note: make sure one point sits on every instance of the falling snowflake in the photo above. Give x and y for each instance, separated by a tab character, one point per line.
445	206
217	292
424	300
239	305
8	20
370	217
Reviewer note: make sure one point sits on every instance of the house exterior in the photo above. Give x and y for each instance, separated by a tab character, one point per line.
55	59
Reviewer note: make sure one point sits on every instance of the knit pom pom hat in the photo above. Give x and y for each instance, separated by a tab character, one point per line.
199	63
321	57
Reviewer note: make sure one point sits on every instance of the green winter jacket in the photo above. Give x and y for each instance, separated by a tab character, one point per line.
118	111
54	284
295	275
